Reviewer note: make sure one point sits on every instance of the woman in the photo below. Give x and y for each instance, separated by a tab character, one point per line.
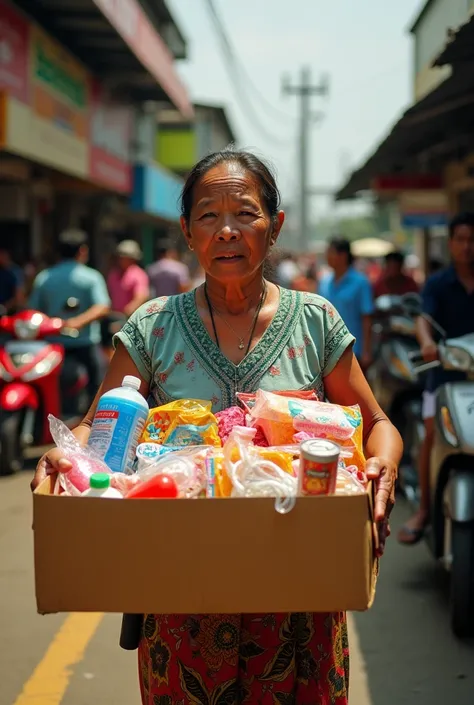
238	332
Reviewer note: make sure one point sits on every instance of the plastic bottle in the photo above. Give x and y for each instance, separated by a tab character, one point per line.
100	487
118	425
157	487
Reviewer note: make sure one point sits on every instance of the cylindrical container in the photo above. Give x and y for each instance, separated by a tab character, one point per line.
118	425
319	461
100	487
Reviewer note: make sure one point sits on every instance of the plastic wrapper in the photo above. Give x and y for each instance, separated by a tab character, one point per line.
287	419
187	467
348	483
252	475
83	459
149	453
248	400
182	423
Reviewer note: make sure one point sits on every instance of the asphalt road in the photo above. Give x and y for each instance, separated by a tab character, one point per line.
402	650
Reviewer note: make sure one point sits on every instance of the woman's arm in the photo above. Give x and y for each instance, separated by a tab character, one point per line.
120	365
346	385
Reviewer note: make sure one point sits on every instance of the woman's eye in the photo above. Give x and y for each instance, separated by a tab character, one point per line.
207	215
248	213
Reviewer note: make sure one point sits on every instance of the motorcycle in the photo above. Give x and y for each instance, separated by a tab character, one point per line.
36	379
451	533
392	376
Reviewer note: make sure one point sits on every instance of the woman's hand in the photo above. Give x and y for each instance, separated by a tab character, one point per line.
51	462
383	473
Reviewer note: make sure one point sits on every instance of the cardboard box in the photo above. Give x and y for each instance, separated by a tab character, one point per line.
202	556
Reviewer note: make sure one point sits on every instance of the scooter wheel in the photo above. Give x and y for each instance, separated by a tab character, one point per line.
11	452
462	580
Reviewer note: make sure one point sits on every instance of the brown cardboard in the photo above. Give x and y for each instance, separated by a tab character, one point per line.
201	556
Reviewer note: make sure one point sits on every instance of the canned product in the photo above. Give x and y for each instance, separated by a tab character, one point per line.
319	462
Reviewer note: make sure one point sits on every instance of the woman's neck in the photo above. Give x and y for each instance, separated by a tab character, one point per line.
235	298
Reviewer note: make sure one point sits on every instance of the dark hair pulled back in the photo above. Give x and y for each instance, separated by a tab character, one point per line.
249	162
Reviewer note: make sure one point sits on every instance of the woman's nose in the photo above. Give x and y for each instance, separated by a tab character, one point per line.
228	233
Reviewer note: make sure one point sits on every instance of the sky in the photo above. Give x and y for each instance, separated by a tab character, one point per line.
364	47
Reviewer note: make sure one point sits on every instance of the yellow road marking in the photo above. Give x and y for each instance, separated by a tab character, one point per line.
50	679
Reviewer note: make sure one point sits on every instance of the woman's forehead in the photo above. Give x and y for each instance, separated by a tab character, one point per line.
227	179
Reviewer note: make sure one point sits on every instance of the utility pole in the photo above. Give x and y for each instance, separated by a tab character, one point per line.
304	91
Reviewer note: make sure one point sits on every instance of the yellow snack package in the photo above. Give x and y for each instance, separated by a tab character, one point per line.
219	484
182	423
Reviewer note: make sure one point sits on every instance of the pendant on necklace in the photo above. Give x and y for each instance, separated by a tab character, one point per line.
241	345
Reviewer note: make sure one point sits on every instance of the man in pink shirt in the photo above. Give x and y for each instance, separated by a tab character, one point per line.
128	283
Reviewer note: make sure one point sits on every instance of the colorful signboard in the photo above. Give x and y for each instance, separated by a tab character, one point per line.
110	136
134	27
156	191
14	57
423	209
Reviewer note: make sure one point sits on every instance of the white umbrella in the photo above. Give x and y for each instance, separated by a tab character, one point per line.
371	247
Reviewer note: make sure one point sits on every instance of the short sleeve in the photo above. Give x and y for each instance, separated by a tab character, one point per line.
367	299
135	340
429	297
99	293
336	338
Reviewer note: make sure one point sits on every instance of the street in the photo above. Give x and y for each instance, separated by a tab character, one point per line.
402	650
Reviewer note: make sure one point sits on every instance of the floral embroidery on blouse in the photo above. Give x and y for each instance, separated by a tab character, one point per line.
191	366
179	358
163	376
275	371
158	332
157	306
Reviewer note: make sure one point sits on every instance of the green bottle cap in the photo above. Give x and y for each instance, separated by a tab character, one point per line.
100	481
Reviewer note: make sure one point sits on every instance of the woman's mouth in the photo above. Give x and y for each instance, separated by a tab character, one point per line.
231	257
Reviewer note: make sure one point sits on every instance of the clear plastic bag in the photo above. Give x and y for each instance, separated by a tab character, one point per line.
84	460
187	467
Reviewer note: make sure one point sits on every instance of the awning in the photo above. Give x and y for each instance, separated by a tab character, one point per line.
438	122
459	47
117	41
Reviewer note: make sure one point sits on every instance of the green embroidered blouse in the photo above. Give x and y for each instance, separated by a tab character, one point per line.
175	354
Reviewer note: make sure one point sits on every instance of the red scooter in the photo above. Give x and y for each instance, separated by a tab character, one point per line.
36	379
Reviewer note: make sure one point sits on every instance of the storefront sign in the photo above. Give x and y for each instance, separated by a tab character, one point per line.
423	209
13	52
156	191
110	137
136	29
406	182
54	129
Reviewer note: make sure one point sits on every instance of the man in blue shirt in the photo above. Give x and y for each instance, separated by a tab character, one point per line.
351	293
448	298
72	279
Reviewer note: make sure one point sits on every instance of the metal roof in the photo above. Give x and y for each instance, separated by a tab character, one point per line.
441	121
459	47
89	30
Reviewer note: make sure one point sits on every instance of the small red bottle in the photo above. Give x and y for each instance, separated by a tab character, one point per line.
157	487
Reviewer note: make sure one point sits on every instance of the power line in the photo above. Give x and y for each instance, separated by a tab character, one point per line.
235	74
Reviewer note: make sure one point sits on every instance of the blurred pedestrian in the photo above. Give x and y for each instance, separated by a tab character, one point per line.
287	270
73	280
393	280
168	276
127	282
351	293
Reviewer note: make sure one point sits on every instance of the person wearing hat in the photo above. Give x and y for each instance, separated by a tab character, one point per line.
71	280
128	283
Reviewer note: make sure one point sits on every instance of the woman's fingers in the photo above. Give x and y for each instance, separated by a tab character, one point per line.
52	461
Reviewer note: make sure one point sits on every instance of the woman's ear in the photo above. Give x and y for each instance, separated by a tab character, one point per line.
277	226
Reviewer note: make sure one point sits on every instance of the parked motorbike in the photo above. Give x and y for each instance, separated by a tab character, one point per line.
392	376
451	534
36	379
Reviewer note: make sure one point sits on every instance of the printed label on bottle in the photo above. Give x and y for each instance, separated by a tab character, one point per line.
115	433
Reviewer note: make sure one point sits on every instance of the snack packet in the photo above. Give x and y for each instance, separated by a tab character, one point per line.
181	423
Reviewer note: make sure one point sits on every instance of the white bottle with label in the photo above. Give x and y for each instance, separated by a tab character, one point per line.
118	425
100	487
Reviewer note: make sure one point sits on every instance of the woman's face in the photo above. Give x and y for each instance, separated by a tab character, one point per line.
229	229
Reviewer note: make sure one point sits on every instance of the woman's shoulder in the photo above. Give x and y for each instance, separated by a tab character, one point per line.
314	304
161	305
